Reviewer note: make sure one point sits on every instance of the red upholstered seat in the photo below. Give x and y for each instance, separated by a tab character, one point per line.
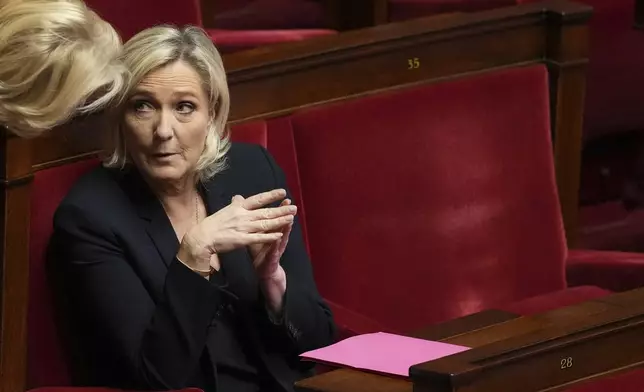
46	361
131	17
417	213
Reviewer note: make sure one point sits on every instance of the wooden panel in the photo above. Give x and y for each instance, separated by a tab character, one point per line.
559	348
14	278
340	15
346	15
568	46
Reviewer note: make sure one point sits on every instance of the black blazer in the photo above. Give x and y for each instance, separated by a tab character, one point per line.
144	320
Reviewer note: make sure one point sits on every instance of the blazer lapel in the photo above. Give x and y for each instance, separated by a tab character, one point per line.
150	210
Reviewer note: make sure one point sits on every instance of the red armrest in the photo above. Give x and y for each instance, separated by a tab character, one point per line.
351	323
614	271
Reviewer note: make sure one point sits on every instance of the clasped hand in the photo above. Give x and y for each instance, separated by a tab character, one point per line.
246	222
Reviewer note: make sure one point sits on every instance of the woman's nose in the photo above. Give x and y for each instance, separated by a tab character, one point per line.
164	127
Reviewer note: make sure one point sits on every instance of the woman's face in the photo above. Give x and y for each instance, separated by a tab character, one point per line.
166	122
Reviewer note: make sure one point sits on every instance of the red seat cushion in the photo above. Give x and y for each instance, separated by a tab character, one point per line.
46	361
228	41
417	213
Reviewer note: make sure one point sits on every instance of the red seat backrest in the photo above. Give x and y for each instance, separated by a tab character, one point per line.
46	360
280	144
129	17
433	202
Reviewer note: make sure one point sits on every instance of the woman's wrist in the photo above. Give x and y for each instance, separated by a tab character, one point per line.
274	289
203	273
195	257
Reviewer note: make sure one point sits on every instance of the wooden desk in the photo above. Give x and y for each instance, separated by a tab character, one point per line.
348	380
555	350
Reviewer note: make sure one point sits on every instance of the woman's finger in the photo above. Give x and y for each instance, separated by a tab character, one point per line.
262	199
237	200
271	213
284	240
266	225
261	238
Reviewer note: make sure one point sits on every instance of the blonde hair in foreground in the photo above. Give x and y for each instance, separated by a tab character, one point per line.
157	47
57	60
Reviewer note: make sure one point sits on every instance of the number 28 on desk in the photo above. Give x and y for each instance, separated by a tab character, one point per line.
566	363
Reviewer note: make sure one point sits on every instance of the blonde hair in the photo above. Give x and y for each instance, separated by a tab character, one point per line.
157	47
57	60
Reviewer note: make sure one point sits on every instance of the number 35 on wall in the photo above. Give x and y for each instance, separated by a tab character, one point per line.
566	363
413	63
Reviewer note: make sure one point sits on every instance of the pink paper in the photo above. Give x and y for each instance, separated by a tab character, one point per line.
382	352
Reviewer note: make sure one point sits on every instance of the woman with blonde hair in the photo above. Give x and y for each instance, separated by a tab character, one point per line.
58	59
182	258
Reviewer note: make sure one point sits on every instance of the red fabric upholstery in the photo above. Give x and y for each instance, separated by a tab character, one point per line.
228	41
280	143
350	323
394	213
630	381
410	9
555	300
269	14
45	359
131	17
615	271
254	132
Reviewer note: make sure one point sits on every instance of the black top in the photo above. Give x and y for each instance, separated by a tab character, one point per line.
146	321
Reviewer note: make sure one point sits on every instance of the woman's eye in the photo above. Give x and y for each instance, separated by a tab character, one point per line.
185	108
142	106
